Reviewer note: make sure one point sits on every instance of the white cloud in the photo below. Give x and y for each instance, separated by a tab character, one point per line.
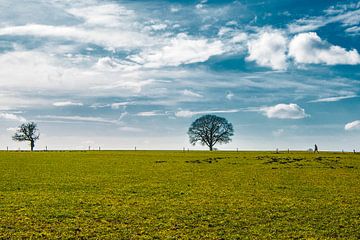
355	125
78	119
310	48
224	30
229	96
188	114
100	36
130	129
41	72
158	26
268	50
284	111
346	14
190	93
150	114
12	129
107	63
119	104
12	117
278	132
239	37
175	9
333	99
67	103
180	50
355	30
108	15
201	4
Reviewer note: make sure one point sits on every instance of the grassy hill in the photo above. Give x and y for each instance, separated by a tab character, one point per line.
169	194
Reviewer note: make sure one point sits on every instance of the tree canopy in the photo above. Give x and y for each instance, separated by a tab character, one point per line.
209	130
27	132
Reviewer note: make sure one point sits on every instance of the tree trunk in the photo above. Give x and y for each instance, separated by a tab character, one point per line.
211	148
32	144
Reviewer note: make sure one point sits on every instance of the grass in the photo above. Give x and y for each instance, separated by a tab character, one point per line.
187	195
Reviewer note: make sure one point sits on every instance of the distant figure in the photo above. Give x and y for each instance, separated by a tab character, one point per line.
354	151
316	150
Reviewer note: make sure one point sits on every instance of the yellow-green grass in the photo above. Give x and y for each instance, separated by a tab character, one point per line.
187	195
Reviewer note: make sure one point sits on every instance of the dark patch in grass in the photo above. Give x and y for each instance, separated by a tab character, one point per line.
208	160
285	160
160	162
299	162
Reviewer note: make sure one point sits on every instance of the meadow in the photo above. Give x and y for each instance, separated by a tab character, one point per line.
174	194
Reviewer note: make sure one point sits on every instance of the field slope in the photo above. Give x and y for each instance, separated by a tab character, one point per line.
188	195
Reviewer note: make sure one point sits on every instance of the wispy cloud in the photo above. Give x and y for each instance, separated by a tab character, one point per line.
151	114
333	99
67	103
190	93
131	129
12	117
278	132
188	113
102	37
108	14
79	119
182	49
12	129
118	105
346	14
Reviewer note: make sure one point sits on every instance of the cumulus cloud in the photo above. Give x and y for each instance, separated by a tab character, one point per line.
67	103
355	125
181	49
284	111
269	50
311	49
12	117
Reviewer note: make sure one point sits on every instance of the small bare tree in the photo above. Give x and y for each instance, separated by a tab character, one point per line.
210	130
27	132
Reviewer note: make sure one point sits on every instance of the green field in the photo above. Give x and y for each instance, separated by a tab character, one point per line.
187	195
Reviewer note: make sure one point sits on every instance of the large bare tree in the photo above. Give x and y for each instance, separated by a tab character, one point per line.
210	130
27	132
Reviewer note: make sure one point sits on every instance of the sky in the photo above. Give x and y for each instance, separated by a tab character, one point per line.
119	74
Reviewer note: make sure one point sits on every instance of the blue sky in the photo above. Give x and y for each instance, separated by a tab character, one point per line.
119	74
